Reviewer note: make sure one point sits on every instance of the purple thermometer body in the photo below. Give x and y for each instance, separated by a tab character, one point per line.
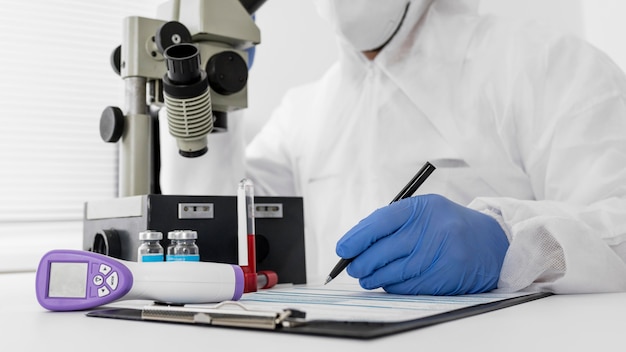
68	280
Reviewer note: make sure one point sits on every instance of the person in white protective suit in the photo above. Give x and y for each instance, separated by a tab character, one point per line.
527	129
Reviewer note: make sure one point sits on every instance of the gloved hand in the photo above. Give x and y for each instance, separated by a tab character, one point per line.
426	245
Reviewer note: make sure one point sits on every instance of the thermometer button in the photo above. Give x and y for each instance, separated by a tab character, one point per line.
104	269
112	280
103	291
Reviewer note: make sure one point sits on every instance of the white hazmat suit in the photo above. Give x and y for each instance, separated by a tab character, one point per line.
524	124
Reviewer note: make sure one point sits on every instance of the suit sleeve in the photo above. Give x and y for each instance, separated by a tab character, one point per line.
572	238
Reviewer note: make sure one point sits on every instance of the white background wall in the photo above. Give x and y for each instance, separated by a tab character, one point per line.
297	46
605	27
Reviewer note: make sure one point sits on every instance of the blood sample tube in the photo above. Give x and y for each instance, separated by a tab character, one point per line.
245	234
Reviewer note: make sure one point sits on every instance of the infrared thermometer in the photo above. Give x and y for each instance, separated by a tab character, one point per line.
68	280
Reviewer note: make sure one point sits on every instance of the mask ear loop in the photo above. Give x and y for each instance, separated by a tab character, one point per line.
406	10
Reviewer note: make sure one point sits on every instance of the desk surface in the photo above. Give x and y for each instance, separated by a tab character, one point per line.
566	322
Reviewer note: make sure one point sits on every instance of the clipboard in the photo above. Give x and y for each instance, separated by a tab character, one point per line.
294	321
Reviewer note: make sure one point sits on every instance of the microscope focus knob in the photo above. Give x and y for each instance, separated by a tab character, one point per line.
227	72
171	33
116	60
111	124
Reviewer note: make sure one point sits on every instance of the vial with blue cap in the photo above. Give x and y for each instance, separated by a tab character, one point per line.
182	246
150	249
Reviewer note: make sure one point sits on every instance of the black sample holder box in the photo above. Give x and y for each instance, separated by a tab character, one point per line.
112	227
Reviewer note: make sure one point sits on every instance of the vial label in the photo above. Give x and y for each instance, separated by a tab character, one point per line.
146	258
182	258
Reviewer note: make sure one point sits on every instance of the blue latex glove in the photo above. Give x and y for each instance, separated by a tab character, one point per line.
251	51
426	245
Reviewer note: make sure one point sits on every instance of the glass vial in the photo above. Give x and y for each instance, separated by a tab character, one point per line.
150	250
182	246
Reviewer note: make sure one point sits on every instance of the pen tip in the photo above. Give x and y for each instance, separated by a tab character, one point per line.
328	280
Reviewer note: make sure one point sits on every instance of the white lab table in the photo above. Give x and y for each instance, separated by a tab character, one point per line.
592	322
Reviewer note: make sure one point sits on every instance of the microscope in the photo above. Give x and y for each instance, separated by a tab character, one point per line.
192	61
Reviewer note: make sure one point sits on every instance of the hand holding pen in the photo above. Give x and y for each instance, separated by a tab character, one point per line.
406	192
425	244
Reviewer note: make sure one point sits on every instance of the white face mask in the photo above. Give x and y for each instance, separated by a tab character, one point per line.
366	24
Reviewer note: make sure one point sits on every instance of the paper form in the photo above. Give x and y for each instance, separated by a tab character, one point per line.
352	303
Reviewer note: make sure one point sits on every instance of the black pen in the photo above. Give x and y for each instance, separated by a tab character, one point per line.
406	192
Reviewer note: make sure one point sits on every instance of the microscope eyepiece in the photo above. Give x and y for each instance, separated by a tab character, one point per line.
187	99
183	63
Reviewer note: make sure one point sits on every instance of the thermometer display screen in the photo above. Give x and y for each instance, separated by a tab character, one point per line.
68	280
